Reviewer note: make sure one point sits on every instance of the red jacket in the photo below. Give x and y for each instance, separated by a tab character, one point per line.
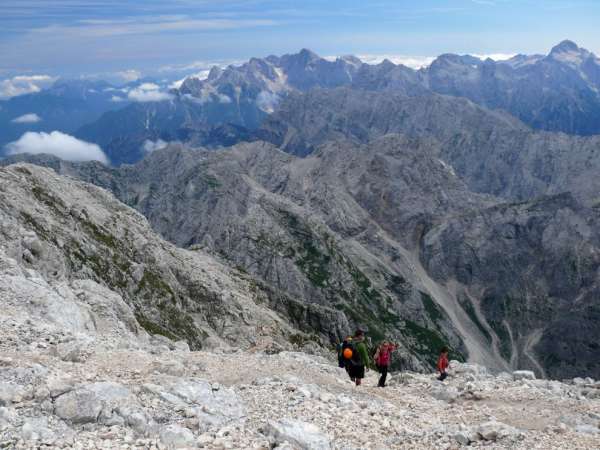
442	363
385	355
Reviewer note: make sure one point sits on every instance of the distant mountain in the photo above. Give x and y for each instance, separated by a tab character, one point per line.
219	110
491	151
557	92
65	106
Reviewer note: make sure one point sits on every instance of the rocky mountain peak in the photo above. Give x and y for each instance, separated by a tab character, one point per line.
568	52
565	46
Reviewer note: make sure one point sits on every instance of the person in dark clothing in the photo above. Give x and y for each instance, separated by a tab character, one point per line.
442	364
383	358
343	359
360	358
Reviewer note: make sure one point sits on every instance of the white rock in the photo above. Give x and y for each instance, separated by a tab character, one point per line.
174	436
9	393
7	417
35	429
523	375
444	393
493	430
302	435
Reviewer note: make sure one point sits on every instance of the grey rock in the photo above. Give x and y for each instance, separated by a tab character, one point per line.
174	436
9	393
298	434
523	375
78	406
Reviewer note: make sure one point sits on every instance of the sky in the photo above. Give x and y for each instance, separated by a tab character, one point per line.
128	38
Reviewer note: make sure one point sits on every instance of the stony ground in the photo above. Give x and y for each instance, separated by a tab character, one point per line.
70	395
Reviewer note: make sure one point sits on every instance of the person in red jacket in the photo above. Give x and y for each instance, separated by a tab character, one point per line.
442	364
383	357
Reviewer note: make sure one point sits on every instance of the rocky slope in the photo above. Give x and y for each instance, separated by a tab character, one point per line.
530	270
339	229
70	241
388	235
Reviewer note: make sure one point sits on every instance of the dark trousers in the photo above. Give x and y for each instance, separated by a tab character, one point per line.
383	370
442	376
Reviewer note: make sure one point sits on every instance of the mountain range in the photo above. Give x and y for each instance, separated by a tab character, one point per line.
559	92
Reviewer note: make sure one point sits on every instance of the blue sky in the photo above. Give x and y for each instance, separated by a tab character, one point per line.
70	37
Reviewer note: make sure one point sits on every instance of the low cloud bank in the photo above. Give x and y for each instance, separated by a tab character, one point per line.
149	146
27	118
24	84
148	92
59	144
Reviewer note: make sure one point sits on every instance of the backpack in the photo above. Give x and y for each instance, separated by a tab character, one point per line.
355	359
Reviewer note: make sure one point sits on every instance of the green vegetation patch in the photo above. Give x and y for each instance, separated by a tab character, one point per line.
432	309
152	284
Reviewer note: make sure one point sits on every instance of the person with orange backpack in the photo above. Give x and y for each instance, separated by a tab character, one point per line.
356	357
383	358
345	355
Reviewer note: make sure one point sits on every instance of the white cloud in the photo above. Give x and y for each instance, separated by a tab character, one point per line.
148	92
149	146
59	144
27	118
148	87
152	25
129	75
116	99
414	62
24	84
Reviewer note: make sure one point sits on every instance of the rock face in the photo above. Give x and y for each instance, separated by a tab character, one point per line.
532	268
491	151
75	257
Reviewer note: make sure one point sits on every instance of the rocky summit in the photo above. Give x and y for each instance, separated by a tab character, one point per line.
123	341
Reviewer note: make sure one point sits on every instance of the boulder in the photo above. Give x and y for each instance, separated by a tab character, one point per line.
73	351
175	436
523	375
493	430
301	435
84	404
9	393
444	393
78	406
213	404
36	429
7	417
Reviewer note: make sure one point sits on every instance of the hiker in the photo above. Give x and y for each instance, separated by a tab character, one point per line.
383	357
360	358
343	360
442	364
